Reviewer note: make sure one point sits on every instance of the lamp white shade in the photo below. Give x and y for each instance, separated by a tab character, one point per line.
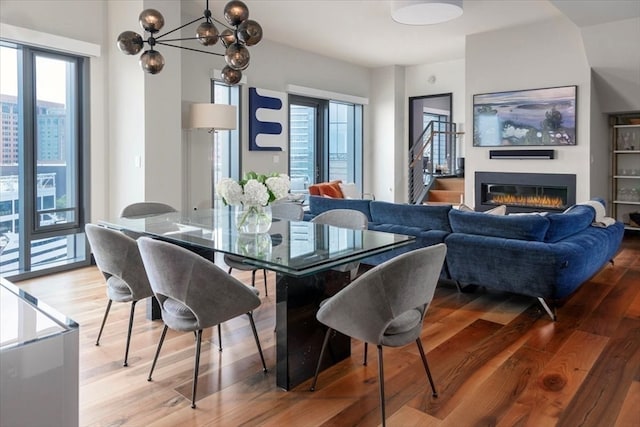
212	116
425	12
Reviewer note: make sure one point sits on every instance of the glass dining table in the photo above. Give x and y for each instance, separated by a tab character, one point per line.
305	257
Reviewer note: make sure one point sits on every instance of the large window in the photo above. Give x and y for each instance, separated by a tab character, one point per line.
325	142
43	178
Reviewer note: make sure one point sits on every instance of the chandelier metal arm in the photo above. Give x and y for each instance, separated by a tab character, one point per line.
190	48
222	23
179	28
179	40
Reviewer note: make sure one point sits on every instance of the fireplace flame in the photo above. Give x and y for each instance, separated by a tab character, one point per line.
519	200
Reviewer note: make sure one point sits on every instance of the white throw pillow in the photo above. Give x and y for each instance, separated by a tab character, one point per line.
349	190
498	210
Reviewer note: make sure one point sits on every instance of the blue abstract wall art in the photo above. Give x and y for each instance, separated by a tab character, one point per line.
267	120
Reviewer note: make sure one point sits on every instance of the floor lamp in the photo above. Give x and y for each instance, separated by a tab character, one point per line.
212	117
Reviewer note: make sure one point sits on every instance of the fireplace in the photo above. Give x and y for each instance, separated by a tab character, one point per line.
525	192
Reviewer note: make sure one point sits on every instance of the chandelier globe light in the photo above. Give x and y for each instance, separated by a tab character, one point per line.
239	32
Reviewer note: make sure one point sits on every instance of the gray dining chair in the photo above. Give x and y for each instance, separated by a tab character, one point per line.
194	294
344	218
386	306
287	210
119	260
145	208
283	210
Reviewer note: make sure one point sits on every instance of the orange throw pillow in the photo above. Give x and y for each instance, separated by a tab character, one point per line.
331	189
328	189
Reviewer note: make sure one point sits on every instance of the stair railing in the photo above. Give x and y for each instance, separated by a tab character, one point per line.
422	167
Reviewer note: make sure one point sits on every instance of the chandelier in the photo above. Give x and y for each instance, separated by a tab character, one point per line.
238	33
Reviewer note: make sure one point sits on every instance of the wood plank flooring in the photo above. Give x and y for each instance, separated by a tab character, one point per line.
497	360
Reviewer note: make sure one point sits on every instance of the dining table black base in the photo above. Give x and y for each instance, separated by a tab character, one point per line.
299	335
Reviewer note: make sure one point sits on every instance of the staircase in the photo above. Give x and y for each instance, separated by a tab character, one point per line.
449	190
433	156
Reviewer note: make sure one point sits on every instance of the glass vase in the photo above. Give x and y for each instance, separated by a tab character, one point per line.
252	219
256	245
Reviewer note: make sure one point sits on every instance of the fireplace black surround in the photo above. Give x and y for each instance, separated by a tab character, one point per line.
525	192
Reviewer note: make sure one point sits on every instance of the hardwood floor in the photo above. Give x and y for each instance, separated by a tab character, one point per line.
497	360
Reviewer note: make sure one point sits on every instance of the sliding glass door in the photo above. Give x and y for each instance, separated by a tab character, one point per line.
305	136
325	142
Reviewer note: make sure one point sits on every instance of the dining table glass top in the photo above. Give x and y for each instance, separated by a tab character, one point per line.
296	248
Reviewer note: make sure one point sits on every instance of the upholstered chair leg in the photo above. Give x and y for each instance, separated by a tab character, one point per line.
426	367
381	384
104	320
264	275
126	351
230	268
196	368
253	278
155	358
366	347
219	338
324	346
255	335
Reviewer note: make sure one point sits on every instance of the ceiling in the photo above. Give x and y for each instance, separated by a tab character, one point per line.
362	31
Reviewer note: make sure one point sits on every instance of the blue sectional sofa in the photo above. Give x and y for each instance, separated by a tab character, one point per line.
546	257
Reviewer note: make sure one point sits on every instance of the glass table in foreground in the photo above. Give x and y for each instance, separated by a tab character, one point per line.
303	255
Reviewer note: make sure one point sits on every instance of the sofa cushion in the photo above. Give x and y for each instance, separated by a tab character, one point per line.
529	227
318	204
422	216
568	223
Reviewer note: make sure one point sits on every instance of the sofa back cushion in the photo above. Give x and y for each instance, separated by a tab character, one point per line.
319	204
568	223
421	216
521	227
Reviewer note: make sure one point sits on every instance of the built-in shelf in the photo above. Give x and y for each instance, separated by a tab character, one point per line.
625	162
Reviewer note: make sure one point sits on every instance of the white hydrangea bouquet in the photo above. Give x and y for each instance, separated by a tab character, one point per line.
253	195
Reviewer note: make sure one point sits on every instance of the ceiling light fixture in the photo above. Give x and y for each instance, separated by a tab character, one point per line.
238	33
425	12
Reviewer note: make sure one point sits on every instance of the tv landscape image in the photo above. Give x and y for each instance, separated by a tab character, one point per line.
525	118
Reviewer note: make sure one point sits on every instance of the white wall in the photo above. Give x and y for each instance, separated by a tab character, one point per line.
125	86
448	77
614	54
387	153
163	118
541	55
